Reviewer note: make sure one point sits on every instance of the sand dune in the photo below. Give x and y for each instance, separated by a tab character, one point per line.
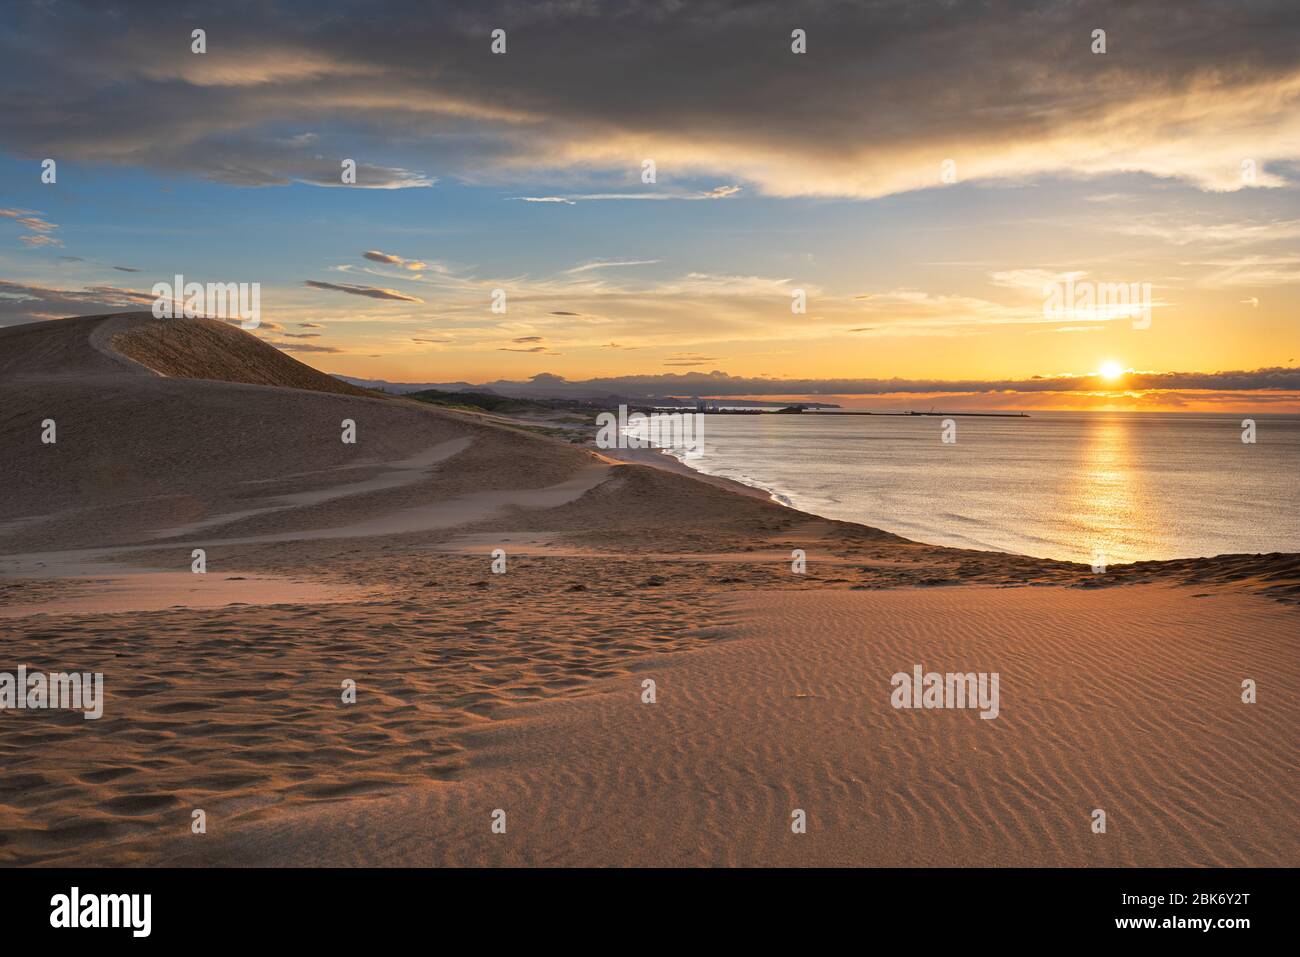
1126	700
371	562
139	452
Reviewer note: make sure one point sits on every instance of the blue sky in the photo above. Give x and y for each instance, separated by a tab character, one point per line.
776	172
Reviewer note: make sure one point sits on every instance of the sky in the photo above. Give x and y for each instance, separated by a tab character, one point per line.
926	175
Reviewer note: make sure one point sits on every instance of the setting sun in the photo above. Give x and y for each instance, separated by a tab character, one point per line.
1111	370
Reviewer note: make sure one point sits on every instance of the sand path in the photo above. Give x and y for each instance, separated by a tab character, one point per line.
106	591
448	513
393	475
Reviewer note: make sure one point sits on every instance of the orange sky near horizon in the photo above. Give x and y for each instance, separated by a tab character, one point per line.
1190	401
921	211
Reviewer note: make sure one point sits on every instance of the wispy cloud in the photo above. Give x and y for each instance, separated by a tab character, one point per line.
689	359
535	350
1184	231
372	292
719	192
39	228
388	258
25	302
301	347
1252	271
40	239
611	264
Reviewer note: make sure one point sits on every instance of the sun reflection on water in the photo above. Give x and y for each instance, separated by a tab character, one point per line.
1107	504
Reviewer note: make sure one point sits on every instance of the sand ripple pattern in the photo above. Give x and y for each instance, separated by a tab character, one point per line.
238	710
1122	699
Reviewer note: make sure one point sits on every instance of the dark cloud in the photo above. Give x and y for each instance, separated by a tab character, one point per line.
300	346
265	325
287	90
689	359
720	383
374	255
20	302
372	292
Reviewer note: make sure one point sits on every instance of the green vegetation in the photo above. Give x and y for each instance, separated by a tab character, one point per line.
573	426
481	402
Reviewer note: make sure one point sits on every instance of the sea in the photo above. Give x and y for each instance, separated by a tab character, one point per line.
1082	486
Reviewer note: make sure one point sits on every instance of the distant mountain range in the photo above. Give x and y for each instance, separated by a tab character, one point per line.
401	388
547	386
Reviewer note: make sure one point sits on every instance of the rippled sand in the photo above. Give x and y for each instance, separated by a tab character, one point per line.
521	691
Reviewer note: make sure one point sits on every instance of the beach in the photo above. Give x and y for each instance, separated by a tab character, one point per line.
770	636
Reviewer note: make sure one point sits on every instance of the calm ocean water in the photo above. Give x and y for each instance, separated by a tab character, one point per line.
1129	486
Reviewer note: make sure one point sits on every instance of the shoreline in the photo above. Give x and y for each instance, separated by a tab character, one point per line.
553	581
663	458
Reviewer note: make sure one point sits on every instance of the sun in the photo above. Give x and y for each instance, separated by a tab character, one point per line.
1111	370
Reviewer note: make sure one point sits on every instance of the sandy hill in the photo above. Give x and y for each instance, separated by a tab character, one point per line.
177	348
166	422
193	431
208	349
165	426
